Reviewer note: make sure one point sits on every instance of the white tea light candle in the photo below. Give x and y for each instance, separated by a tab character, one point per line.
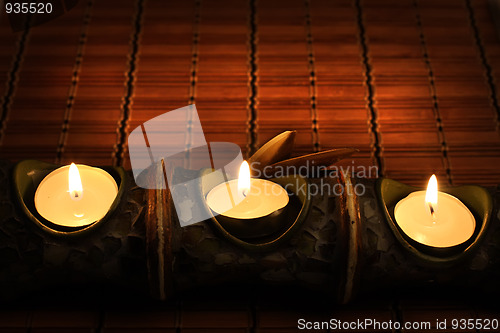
76	195
247	198
435	218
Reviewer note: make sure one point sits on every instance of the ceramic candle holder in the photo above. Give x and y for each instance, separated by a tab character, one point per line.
28	174
476	198
268	231
335	246
256	227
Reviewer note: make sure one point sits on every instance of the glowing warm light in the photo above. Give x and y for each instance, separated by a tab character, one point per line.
247	198
419	218
59	197
244	178
431	195
75	183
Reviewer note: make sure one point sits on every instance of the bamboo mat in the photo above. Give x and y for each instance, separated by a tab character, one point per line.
412	84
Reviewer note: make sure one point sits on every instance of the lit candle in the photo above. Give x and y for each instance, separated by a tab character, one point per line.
75	196
247	198
435	218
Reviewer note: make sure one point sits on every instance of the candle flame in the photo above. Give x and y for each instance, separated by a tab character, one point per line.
75	183
244	179
431	195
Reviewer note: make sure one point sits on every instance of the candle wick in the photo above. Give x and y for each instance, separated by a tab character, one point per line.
433	212
245	192
76	195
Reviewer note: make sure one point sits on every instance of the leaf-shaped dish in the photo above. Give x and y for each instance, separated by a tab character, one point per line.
277	149
322	159
283	229
476	198
28	174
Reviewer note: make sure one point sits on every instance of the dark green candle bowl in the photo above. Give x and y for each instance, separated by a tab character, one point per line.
255	227
476	198
267	232
28	174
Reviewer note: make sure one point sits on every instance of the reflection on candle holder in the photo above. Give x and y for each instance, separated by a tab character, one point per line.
475	198
28	175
